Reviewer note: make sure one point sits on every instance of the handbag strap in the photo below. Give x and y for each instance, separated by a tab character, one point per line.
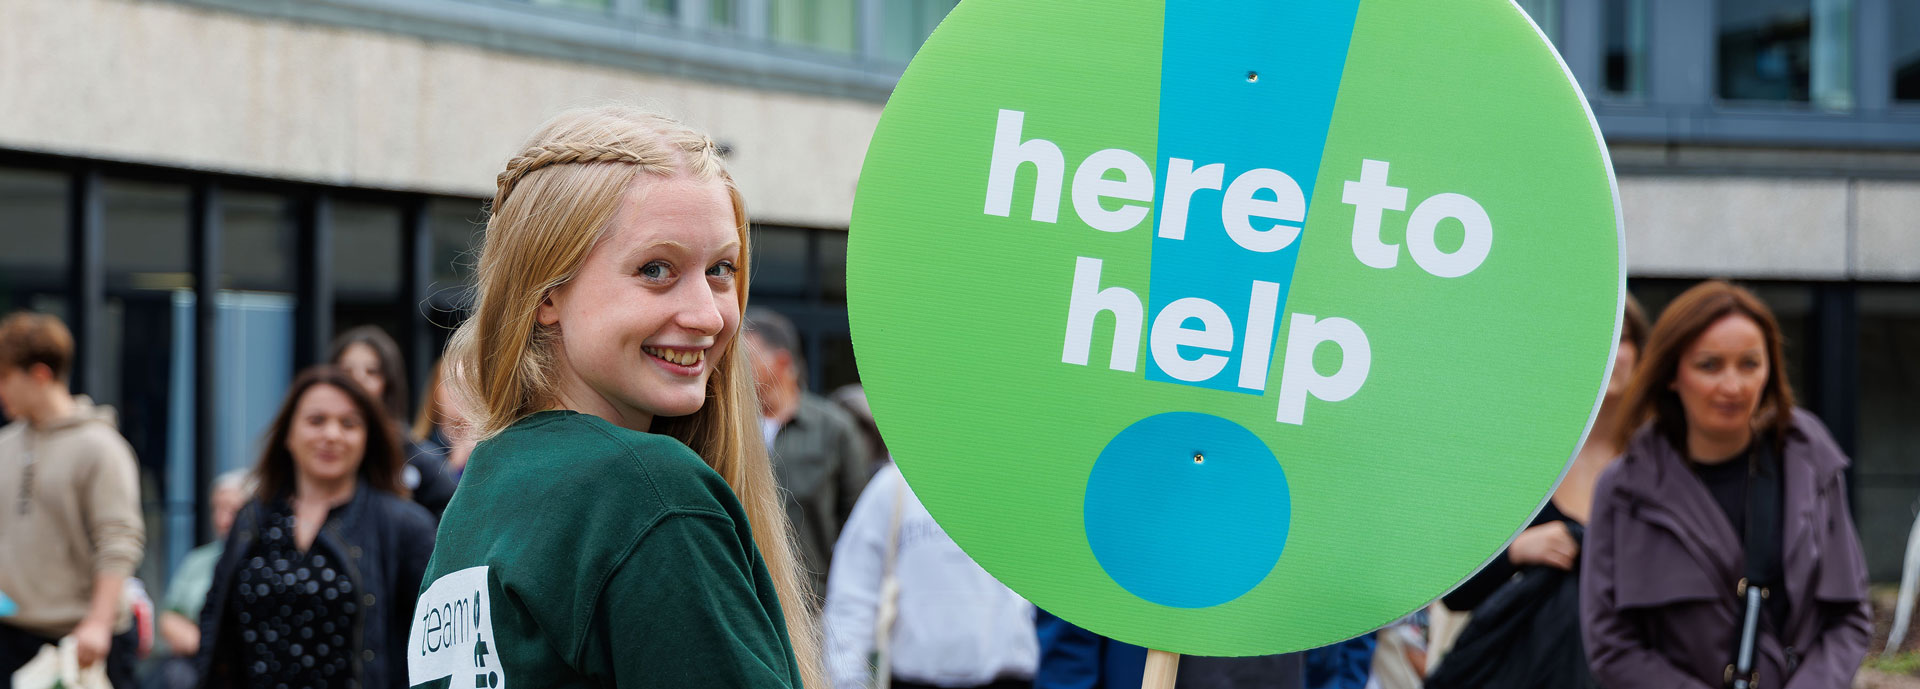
889	608
1763	533
1763	566
893	532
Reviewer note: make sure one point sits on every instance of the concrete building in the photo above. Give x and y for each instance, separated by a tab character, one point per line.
307	166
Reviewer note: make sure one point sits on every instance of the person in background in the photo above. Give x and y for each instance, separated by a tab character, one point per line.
1074	658
316	583
947	623
373	359
436	429
1400	653
853	400
187	588
1724	482
70	527
1345	665
817	452
1533	639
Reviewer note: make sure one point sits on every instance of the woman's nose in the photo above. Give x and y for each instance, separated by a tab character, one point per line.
701	311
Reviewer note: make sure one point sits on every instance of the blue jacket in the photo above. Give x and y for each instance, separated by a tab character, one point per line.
1074	658
385	542
1345	665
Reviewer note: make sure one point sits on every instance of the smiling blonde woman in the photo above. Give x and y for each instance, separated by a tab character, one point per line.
619	506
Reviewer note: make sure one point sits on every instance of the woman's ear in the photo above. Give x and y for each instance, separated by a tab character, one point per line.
547	313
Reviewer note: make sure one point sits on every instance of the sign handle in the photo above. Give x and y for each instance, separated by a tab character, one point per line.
1161	668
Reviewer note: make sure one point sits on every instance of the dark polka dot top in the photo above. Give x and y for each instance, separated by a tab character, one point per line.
295	611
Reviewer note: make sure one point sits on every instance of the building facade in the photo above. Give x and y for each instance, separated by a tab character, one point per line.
209	190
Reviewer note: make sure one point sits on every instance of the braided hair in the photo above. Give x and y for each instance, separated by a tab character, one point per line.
554	200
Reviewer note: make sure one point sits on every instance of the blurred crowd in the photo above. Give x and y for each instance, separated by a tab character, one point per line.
1700	538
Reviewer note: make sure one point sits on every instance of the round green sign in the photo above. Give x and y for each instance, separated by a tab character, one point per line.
1234	327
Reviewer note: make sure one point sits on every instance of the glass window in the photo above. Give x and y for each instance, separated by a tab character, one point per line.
779	261
1887	456
1546	14
837	365
905	24
833	265
827	25
663	8
255	316
34	205
256	242
146	227
366	268
1906	51
458	227
593	5
721	14
1787	50
1625	22
143	333
366	252
146	263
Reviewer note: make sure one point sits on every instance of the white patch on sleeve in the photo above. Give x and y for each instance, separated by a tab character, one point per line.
452	634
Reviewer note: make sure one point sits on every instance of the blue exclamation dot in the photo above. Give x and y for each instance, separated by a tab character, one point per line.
1187	510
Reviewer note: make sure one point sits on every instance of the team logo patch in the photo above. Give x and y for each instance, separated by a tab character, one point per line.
452	634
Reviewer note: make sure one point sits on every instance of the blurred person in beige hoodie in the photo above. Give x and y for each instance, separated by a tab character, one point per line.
70	525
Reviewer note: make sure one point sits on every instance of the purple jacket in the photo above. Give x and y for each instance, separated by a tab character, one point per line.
1657	577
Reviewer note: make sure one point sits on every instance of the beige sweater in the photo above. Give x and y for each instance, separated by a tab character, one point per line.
69	509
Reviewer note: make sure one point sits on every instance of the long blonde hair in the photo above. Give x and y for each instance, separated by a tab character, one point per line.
553	203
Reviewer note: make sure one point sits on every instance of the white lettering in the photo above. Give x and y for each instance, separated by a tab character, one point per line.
1257	351
1426	219
1008	154
1090	185
1182	181
1299	378
1369	197
1087	302
1170	333
1239	206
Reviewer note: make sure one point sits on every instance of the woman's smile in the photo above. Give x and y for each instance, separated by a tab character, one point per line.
685	361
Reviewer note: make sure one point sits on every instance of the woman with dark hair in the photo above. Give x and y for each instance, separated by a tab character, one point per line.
1723	531
1525	630
372	358
319	575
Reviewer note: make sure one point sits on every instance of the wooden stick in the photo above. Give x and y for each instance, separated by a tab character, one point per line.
1161	669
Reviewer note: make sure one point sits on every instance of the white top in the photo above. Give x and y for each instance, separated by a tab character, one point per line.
957	625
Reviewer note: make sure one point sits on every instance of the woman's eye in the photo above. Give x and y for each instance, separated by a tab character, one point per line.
722	269
656	270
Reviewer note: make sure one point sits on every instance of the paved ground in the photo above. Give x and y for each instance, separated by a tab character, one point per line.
1871	679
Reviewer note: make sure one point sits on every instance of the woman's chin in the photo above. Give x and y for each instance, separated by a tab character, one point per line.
331	474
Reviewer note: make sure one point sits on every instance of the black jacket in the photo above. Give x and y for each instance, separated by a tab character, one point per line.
1526	635
426	475
384	542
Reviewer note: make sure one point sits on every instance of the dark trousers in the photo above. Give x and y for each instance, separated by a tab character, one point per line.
18	647
996	684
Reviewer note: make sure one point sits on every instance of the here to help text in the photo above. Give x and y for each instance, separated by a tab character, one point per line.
1240	205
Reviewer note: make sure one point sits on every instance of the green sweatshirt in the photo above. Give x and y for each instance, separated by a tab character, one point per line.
580	554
